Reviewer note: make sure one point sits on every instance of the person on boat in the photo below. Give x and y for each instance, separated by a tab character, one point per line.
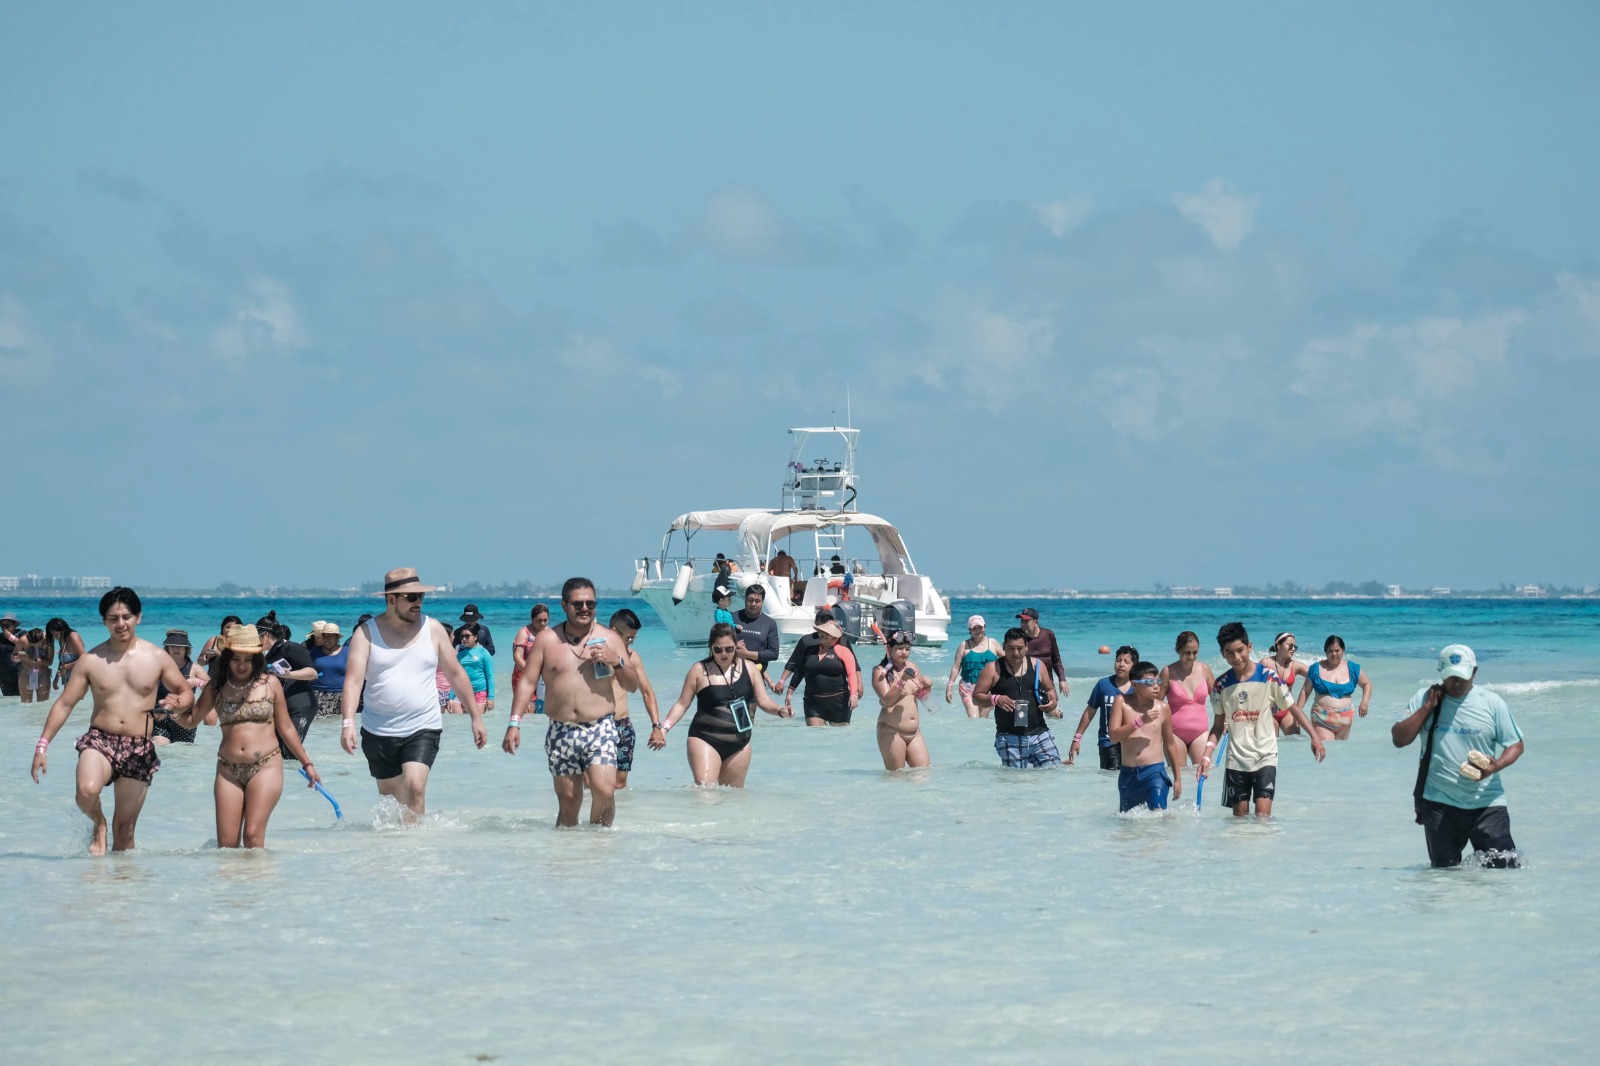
1330	686
722	687
782	565
581	662
900	686
121	674
972	655
250	707
724	572
331	659
756	633
836	565
538	621
1019	689
831	676
33	654
68	648
1289	670
1141	723
164	728
1101	697
1042	646
626	625
1186	686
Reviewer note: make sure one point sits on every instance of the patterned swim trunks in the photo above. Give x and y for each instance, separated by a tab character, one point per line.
573	747
130	757
627	738
1020	752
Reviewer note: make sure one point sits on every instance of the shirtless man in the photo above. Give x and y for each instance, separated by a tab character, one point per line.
1142	724
123	674
626	625
580	663
396	656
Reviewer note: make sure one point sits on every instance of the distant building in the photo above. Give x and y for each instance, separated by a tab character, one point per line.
94	584
1222	592
1533	591
8	584
1439	590
1394	590
1186	590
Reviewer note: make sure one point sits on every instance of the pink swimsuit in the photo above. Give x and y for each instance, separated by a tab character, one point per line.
1190	718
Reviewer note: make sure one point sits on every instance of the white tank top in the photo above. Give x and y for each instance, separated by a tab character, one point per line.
401	696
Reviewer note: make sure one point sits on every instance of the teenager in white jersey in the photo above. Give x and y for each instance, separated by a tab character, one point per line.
396	656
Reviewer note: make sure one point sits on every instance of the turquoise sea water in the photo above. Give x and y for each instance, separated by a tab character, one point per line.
830	911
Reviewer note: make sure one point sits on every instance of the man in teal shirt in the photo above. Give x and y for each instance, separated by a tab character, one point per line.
1473	737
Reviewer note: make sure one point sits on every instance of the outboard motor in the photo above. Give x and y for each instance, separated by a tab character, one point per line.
901	614
848	614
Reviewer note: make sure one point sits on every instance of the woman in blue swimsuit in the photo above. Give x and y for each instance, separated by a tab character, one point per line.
1331	685
972	655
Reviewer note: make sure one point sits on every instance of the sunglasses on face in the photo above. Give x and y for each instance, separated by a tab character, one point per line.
412	597
581	605
1147	681
723	651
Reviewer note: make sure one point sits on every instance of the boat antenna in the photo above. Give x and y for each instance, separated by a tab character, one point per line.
847	422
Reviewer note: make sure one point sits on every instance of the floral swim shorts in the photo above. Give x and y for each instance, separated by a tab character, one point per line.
573	747
130	757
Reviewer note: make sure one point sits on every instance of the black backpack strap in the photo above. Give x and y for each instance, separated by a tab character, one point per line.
1427	757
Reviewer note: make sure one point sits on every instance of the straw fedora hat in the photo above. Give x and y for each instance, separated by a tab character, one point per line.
242	638
403	579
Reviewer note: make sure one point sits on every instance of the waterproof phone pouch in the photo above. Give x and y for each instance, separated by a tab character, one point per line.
602	669
741	715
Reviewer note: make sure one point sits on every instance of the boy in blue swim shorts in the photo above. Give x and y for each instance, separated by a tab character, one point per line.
1142	724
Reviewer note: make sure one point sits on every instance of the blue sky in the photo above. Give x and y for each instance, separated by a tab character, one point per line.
1121	293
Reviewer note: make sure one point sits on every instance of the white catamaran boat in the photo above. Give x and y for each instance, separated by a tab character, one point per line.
853	562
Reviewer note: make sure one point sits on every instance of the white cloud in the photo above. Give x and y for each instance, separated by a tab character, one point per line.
741	225
264	322
16	336
1225	216
1061	217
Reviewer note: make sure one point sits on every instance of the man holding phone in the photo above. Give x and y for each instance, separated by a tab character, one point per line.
579	661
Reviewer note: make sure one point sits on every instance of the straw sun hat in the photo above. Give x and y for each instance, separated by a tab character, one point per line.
242	638
403	579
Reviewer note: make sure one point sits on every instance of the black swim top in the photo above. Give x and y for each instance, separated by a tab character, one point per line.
825	675
1023	686
711	703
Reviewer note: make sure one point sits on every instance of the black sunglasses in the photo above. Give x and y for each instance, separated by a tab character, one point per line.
411	597
581	605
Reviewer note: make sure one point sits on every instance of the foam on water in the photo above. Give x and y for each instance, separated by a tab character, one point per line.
831	911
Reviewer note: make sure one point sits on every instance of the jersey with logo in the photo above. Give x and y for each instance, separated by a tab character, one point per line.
1247	707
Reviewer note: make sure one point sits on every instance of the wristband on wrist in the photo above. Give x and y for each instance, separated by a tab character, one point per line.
39	748
347	723
665	726
515	720
1210	744
1077	737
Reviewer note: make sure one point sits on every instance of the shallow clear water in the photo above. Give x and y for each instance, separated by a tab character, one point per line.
831	911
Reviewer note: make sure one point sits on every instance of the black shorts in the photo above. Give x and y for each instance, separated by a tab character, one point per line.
301	717
834	709
1243	786
1449	830
385	755
1111	757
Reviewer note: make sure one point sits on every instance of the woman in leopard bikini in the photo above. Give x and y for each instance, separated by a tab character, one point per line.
255	722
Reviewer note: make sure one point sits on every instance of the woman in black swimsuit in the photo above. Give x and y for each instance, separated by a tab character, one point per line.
719	735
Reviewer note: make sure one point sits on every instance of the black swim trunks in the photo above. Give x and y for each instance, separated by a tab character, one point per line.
386	755
1449	830
1244	786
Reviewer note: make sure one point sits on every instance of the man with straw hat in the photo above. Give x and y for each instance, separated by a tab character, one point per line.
122	674
396	656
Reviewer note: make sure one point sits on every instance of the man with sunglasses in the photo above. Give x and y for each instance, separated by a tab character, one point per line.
581	663
1141	723
394	659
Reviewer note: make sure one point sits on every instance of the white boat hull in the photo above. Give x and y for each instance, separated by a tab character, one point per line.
689	621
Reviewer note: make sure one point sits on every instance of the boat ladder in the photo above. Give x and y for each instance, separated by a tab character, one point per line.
829	542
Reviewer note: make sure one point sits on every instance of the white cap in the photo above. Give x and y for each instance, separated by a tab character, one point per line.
1457	660
975	620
